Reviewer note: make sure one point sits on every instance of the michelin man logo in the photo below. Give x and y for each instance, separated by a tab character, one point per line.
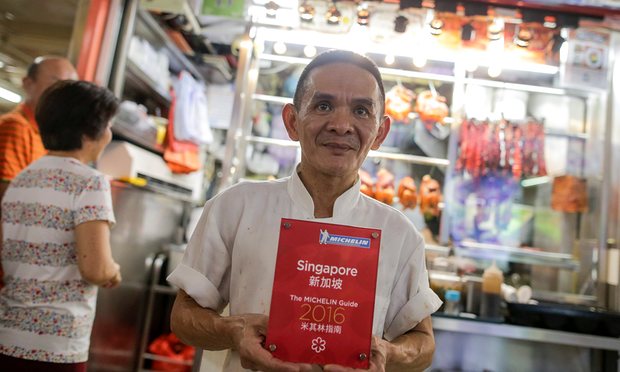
324	237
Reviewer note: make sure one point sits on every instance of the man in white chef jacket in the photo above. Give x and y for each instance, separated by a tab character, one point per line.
337	116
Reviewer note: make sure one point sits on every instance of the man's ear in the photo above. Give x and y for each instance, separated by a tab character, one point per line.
382	132
27	83
289	116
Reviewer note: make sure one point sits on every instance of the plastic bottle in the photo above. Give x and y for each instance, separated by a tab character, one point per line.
491	298
453	302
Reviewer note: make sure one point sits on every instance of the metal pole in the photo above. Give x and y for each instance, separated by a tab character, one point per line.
117	75
601	289
235	131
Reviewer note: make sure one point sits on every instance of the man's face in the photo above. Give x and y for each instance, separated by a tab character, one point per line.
49	72
339	120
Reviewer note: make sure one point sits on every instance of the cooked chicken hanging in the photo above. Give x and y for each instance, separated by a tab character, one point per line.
430	196
407	193
384	191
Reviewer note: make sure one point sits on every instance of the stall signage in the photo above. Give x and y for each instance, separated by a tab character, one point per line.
323	293
587	59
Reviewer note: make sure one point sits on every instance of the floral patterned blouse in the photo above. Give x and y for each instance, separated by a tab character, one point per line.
46	308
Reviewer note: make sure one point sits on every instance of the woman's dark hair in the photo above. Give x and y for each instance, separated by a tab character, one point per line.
338	56
69	110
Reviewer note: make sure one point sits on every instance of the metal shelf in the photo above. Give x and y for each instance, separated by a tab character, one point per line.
513	254
513	86
176	56
383	70
137	139
145	83
557	133
413	159
516	332
440	249
175	6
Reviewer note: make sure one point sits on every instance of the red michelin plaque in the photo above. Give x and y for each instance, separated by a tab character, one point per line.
323	295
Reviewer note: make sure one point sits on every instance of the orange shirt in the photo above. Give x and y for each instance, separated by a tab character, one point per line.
20	141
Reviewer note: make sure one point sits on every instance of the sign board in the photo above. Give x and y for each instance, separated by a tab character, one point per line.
323	295
587	59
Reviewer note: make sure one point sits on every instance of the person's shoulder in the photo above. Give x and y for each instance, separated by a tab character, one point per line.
394	219
386	211
72	168
247	195
13	120
253	187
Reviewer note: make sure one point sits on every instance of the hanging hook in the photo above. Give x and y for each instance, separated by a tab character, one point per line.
431	86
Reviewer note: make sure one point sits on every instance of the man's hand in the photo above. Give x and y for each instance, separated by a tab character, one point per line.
378	358
249	342
412	351
205	328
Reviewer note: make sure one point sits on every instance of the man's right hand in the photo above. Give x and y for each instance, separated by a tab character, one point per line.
249	339
205	328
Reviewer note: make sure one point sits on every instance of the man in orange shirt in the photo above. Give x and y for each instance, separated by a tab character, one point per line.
20	141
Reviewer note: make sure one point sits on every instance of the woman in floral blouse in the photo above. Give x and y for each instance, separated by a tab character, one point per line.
56	218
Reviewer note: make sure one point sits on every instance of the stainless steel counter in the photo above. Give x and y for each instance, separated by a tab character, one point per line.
516	332
474	345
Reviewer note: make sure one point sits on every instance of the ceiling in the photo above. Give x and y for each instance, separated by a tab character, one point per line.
29	29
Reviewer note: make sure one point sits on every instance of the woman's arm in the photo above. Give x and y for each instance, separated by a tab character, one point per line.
94	254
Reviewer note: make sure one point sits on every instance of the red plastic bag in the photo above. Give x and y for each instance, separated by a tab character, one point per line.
169	346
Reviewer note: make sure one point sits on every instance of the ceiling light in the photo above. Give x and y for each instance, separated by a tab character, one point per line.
309	51
494	71
363	15
333	15
279	47
9	95
306	12
390	59
419	60
550	22
436	26
523	37
471	65
494	31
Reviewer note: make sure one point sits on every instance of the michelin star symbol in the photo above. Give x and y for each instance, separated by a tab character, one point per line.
318	345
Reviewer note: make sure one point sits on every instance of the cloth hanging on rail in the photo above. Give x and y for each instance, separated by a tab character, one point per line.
181	156
191	114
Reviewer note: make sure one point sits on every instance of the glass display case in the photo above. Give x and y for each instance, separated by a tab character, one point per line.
516	146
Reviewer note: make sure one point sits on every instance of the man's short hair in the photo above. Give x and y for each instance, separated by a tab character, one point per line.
70	109
33	69
338	56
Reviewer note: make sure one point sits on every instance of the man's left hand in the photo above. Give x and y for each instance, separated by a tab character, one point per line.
378	359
